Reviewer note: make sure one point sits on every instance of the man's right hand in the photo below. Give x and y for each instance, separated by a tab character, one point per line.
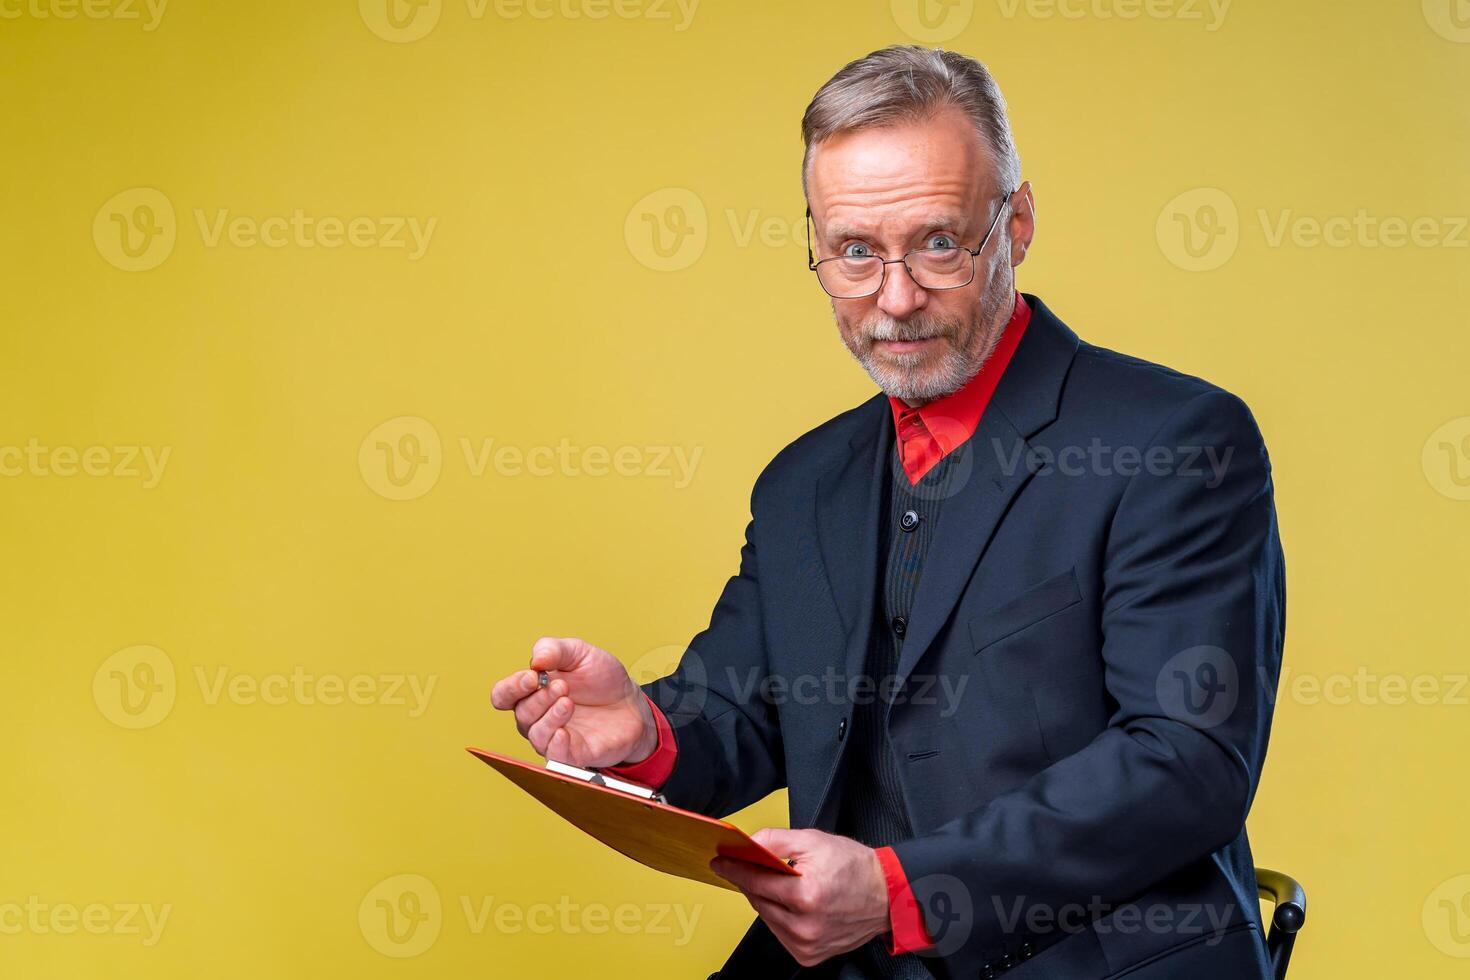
590	715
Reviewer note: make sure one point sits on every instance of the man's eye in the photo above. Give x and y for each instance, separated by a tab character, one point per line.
939	241
857	250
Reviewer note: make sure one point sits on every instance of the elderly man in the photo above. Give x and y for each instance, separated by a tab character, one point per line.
1007	631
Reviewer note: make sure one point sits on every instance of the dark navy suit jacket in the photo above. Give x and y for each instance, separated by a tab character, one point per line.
1084	687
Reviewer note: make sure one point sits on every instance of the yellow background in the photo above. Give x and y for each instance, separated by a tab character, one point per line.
540	312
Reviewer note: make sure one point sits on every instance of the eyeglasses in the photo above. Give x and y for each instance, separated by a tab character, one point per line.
856	276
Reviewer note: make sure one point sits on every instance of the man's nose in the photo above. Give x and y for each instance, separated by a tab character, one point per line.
900	295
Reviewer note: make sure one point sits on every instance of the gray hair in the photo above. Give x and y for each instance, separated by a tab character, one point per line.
908	82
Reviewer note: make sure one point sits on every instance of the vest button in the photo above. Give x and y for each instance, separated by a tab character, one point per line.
909	520
899	625
841	729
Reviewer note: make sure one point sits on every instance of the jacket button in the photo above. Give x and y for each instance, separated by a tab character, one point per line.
899	625
909	520
842	729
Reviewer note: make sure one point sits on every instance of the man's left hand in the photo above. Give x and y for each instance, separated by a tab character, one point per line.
839	902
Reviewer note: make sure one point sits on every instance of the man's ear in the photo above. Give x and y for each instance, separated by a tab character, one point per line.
1022	223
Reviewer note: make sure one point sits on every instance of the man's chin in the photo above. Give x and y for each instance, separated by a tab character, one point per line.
907	383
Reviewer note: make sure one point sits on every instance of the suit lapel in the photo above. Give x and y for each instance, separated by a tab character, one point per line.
848	500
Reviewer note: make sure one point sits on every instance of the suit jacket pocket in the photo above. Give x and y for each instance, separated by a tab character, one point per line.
1026	609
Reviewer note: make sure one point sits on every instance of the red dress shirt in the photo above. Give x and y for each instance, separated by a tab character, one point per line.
925	436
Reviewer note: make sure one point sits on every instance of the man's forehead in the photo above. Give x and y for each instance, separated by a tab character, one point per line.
937	163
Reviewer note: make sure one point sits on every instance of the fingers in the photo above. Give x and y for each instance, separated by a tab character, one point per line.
508	691
553	719
557	653
560	746
755	882
791	931
782	842
533	706
776	915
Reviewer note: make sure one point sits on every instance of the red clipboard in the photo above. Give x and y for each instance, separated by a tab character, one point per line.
661	836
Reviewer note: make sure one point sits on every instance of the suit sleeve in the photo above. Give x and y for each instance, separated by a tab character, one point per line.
729	739
1192	623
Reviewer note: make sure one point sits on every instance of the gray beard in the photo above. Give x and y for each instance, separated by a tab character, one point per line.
956	366
898	380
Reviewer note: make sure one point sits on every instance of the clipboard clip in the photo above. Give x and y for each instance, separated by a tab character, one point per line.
599	779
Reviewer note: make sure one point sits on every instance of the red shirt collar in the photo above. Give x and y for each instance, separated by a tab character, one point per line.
929	433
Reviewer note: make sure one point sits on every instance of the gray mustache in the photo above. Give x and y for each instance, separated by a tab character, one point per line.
894	331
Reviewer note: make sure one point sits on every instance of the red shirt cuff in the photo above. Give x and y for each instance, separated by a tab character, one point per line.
907	933
653	771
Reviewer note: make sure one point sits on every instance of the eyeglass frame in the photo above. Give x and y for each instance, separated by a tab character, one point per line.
812	262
